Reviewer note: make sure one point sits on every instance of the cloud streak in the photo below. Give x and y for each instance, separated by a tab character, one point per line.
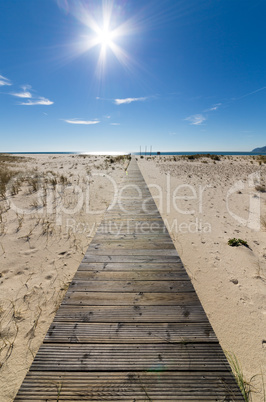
196	119
128	100
213	108
114	124
86	122
4	81
250	93
25	94
38	101
22	94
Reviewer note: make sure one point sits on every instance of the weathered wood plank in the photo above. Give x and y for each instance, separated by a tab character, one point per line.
127	386
133	245
139	247
129	266
131	258
130	333
152	275
91	357
136	313
126	299
131	286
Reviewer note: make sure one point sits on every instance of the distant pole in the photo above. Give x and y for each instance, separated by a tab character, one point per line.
150	150
140	150
145	149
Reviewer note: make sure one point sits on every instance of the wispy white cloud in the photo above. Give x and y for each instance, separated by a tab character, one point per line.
38	101
76	121
107	117
249	93
114	124
196	119
4	81
26	87
128	100
25	94
213	108
22	94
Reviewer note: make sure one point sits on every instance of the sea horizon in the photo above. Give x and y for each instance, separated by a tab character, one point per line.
162	153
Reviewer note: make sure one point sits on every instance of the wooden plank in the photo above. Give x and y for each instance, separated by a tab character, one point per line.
129	386
136	313
126	299
159	243
119	248
112	357
126	333
129	266
131	286
131	258
159	237
154	275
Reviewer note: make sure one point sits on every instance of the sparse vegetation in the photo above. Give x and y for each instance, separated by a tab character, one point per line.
245	386
7	172
261	188
5	176
263	221
63	180
200	156
261	159
237	242
33	183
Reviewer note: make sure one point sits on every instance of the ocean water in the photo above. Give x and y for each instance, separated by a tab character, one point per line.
200	152
142	153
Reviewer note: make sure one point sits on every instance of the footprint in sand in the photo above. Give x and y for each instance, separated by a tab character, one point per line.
29	252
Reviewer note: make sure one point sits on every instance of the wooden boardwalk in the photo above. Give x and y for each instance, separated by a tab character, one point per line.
131	327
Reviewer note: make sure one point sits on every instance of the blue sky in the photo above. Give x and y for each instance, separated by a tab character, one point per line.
113	75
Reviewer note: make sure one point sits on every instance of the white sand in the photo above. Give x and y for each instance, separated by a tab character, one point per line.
230	281
41	251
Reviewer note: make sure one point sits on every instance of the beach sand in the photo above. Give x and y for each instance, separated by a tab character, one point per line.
44	232
220	203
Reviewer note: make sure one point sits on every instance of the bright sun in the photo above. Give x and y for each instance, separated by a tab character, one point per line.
104	38
104	35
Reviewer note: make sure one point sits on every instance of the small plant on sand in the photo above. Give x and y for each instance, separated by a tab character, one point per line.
237	242
245	386
63	179
15	187
263	222
34	184
20	219
53	182
4	179
261	188
261	158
